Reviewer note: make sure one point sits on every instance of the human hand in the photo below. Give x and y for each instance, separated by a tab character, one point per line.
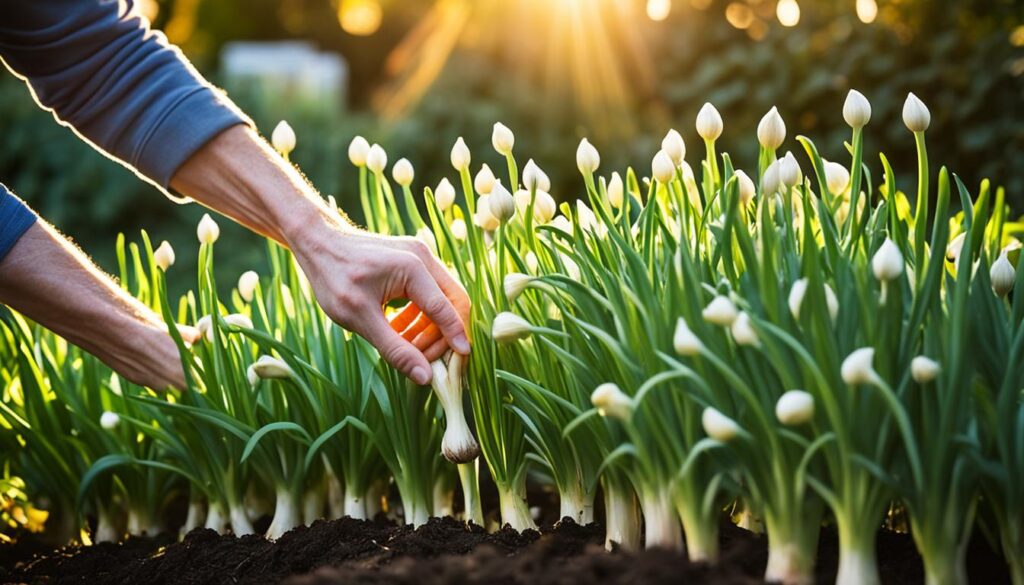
354	273
150	357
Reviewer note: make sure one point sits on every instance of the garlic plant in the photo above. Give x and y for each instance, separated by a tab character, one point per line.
699	339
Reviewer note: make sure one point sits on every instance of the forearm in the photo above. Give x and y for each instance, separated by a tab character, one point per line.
50	281
238	175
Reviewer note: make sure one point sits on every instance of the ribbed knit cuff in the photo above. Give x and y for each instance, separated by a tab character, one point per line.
15	219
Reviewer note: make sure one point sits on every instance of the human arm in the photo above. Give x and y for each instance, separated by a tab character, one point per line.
353	273
50	281
100	70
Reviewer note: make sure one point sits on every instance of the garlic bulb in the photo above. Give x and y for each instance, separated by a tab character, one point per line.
458	444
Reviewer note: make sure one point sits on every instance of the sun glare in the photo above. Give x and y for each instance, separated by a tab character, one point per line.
867	10
788	12
360	17
657	10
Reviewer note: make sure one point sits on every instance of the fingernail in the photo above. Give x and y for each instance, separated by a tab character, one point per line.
461	344
420	375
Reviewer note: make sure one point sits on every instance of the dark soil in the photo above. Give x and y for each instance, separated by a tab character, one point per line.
443	551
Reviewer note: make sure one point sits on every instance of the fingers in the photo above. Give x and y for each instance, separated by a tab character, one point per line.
419	326
423	290
437	349
426	338
188	334
397	351
405	317
450	286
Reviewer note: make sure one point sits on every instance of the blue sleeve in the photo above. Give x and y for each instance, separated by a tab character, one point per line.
15	219
99	68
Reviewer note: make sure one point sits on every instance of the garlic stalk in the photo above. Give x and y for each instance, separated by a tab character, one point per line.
216	520
240	523
469	477
195	517
287	513
661	524
106	530
355	503
622	516
458	444
140	523
313	502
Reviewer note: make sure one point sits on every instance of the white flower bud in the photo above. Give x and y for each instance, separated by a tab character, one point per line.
444	195
515	283
611	401
502	139
771	131
508	327
283	138
267	367
502	205
208	231
484	180
110	420
562	223
770	182
743	332
672	144
376	159
747	187
238	320
795	407
720	311
789	171
856	109
403	172
1002	275
796	299
924	369
205	327
164	256
616	191
662	168
458	227
484	217
857	367
247	285
915	114
709	122
837	178
544	206
535	178
460	155
250	375
358	150
588	220
685	341
718	426
587	157
954	247
887	262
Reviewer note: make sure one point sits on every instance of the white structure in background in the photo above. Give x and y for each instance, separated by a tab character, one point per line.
290	70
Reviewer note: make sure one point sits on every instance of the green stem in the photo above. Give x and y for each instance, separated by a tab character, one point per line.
469	477
622	515
514	510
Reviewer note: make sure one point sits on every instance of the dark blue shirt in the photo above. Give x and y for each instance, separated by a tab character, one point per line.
101	71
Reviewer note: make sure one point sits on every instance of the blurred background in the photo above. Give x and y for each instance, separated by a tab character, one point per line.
414	75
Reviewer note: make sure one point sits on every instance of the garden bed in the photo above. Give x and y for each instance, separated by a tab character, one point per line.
442	551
